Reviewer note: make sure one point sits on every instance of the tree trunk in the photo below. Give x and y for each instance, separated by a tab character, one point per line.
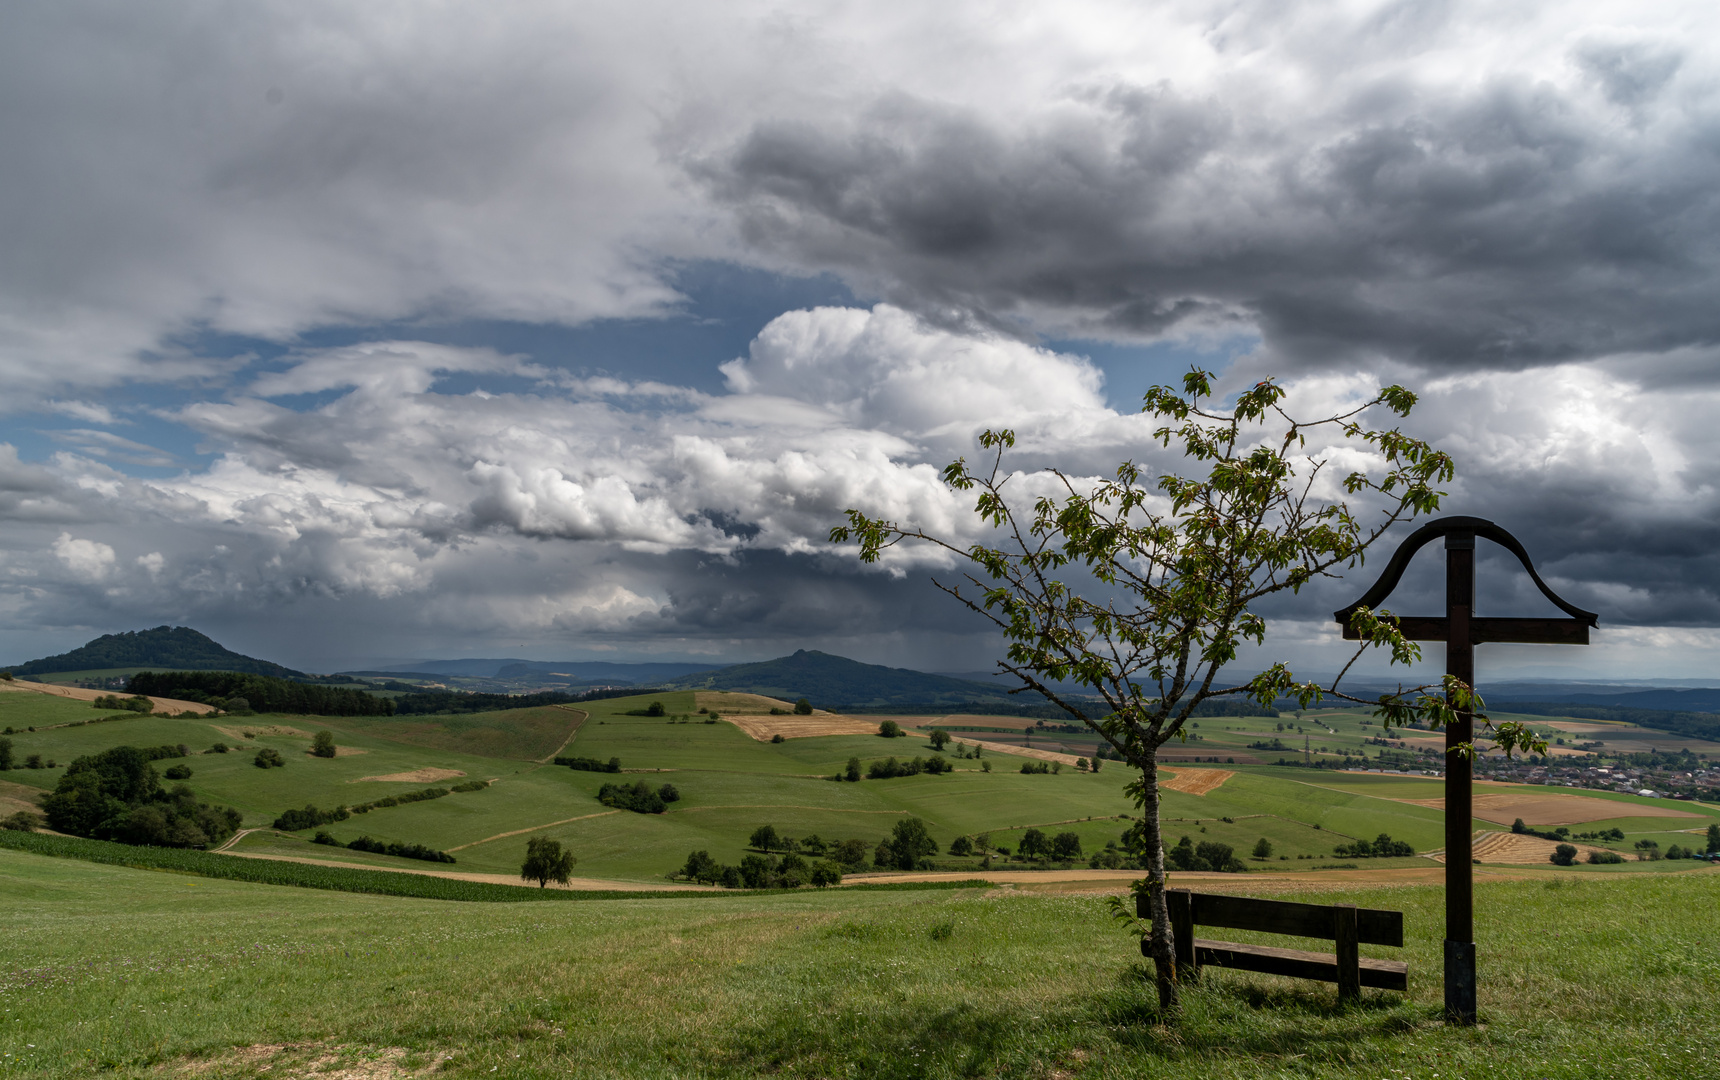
1160	945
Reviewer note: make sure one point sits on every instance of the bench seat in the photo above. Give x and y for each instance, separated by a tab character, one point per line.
1379	974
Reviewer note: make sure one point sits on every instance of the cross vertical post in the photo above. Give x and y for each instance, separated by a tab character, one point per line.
1461	631
1459	784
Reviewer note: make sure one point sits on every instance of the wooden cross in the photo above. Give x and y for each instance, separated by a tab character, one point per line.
1461	631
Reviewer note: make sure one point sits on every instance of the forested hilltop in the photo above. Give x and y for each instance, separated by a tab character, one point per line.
172	648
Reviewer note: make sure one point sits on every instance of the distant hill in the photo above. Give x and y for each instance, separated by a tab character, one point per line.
576	671
169	648
835	682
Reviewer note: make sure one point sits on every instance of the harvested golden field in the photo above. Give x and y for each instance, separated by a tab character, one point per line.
752	714
1538	810
1195	781
78	693
1498	847
415	776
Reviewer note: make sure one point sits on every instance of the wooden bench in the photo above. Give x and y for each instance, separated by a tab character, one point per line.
1345	924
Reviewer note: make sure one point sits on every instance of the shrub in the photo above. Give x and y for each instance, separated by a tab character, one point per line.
961	845
396	800
1081	765
1563	855
777	738
325	837
308	818
1605	858
637	797
136	704
470	785
33	761
1031	767
1263	848
654	709
1676	852
1206	856
852	773
323	744
824	873
889	729
585	764
1383	846
403	851
218	748
942	931
22	821
985	766
849	853
268	759
5	754
668	793
803	707
178	772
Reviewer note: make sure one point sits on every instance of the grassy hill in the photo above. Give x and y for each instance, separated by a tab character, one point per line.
835	682
170	648
730	784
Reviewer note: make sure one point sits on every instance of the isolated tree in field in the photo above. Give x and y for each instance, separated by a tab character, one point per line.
961	845
764	838
910	842
1564	855
1141	588
852	772
803	707
940	738
1713	839
546	861
323	744
889	729
1263	848
655	709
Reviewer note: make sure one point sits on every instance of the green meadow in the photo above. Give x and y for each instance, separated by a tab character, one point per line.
110	971
729	784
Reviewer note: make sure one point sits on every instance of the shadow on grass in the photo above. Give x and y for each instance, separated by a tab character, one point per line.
1119	1022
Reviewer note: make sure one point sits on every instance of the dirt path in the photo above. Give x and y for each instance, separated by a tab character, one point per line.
78	693
583	717
534	828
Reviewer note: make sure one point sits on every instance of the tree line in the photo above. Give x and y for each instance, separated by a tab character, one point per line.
260	693
117	795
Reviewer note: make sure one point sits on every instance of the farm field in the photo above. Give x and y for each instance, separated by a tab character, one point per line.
133	973
730	782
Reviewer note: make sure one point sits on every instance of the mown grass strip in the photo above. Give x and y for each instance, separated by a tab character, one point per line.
346	879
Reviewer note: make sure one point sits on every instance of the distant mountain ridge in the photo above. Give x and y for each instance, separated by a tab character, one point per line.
584	671
165	648
836	682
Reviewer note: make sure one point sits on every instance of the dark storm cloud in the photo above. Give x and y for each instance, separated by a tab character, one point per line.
1507	223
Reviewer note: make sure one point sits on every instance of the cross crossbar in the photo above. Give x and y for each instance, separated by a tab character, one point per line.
1515	631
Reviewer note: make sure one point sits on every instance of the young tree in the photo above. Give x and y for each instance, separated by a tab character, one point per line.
940	739
1142	589
323	744
803	707
546	861
852	772
1032	845
1263	848
764	838
910	842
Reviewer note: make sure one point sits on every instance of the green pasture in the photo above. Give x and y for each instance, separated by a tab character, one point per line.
729	784
131	973
20	709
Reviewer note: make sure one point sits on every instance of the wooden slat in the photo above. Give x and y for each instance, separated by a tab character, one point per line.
1373	927
1514	631
1322	967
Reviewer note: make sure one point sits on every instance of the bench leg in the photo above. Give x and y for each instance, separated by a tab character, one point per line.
1181	907
1345	931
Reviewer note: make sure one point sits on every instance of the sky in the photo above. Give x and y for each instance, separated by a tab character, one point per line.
353	333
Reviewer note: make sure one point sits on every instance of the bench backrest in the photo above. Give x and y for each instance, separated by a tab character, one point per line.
1373	926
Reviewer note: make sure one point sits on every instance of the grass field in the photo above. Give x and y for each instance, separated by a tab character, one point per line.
122	972
730	783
